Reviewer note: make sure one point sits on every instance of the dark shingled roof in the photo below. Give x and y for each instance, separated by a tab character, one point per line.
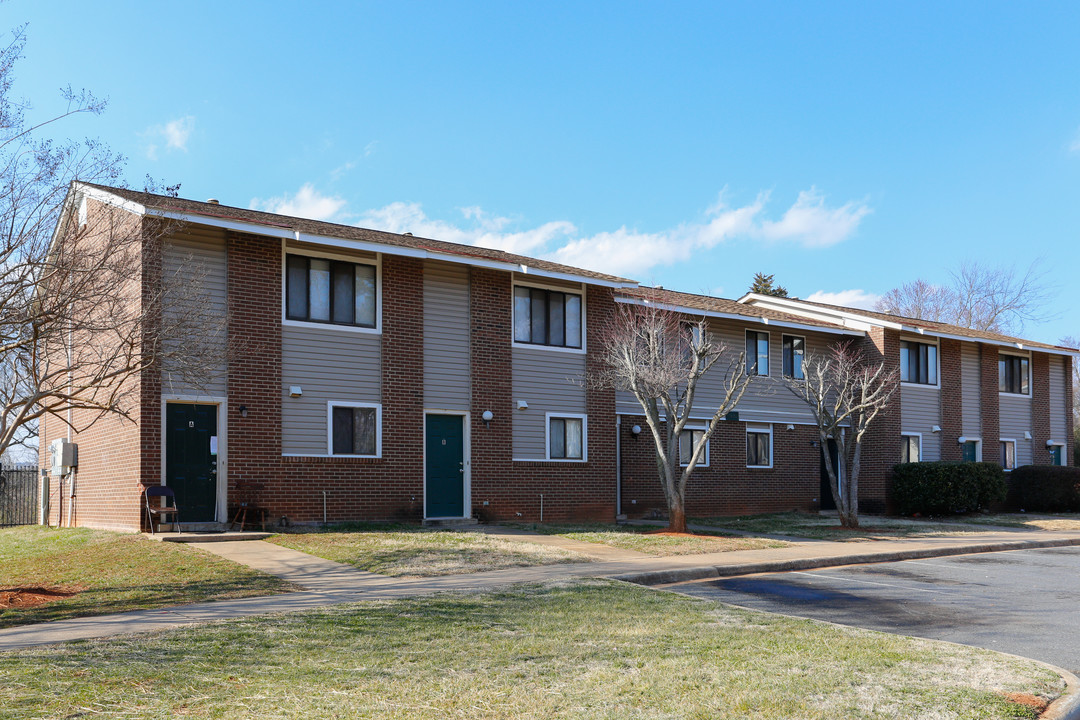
708	303
346	232
938	327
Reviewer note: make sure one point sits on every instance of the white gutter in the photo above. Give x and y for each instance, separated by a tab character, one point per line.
745	318
797	308
365	245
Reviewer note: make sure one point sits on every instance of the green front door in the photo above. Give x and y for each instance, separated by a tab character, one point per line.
970	450
1055	455
444	466
191	459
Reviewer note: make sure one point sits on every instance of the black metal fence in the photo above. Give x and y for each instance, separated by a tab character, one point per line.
18	496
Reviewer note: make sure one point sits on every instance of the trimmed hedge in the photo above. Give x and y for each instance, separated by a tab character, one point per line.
1046	488
946	488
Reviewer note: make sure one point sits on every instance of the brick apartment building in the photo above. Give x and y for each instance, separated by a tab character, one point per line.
385	376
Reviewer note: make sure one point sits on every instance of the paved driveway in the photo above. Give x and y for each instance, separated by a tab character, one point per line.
1025	602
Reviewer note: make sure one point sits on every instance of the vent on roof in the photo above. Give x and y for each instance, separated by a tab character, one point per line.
407	234
213	201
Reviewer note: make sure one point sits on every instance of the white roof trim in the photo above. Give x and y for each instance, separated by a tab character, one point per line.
387	249
746	318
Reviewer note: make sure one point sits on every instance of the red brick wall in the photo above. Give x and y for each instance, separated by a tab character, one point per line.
988	393
952	423
1070	438
106	483
881	444
1040	408
511	489
726	486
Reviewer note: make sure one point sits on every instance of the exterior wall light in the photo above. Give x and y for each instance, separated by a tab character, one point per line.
636	430
243	411
487	417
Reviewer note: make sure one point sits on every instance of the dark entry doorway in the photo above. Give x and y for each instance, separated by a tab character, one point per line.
444	466
827	502
191	459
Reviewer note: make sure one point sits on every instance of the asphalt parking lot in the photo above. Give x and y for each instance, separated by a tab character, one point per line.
1025	602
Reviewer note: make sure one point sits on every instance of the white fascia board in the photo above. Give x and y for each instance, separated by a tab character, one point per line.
745	318
797	307
106	197
1004	344
459	259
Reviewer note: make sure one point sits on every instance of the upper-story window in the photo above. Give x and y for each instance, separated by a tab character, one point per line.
330	291
918	363
547	317
757	353
794	351
1013	374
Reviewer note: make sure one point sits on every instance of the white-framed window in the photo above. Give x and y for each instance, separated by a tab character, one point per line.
1014	374
552	317
757	352
688	440
918	363
567	437
354	429
794	353
332	290
759	445
910	447
1008	454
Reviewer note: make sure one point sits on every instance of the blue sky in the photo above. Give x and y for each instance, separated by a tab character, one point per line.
845	147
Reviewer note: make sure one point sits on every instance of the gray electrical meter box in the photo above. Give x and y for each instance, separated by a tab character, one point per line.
65	456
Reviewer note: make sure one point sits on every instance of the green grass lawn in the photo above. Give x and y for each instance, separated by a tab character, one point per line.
412	551
826	527
646	539
114	572
588	649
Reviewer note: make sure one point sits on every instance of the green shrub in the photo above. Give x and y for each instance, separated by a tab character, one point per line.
1046	488
943	488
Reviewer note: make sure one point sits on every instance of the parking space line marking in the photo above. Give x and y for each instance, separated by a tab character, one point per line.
871	582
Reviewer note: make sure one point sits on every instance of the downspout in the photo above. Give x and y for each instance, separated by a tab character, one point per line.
618	466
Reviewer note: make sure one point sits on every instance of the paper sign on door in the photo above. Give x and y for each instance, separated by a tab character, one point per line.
213	444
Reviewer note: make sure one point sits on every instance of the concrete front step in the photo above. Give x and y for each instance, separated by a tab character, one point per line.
451	522
207	537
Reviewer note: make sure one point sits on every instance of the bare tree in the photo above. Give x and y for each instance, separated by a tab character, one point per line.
77	322
981	297
660	357
1074	342
845	393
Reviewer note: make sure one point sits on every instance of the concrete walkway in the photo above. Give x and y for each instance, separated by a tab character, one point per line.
329	583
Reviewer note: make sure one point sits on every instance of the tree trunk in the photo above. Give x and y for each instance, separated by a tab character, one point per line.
676	516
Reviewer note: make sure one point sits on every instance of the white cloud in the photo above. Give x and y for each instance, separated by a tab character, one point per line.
175	134
813	225
847	298
306	203
625	251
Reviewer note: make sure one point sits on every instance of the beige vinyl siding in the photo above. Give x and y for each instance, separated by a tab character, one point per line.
768	398
1015	419
527	279
549	380
1059	410
328	364
970	390
920	411
446	336
197	254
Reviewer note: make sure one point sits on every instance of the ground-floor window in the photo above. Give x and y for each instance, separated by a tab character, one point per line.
1008	454
566	437
688	440
354	429
758	445
910	448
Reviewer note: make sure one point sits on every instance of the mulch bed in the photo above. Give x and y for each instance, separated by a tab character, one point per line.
27	597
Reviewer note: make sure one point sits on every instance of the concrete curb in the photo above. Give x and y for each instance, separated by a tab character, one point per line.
1067	705
668	577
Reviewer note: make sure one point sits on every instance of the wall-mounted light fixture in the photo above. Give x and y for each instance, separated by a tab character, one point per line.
790	427
243	410
487	417
935	428
1027	434
295	391
636	430
961	440
1050	443
815	443
523	405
